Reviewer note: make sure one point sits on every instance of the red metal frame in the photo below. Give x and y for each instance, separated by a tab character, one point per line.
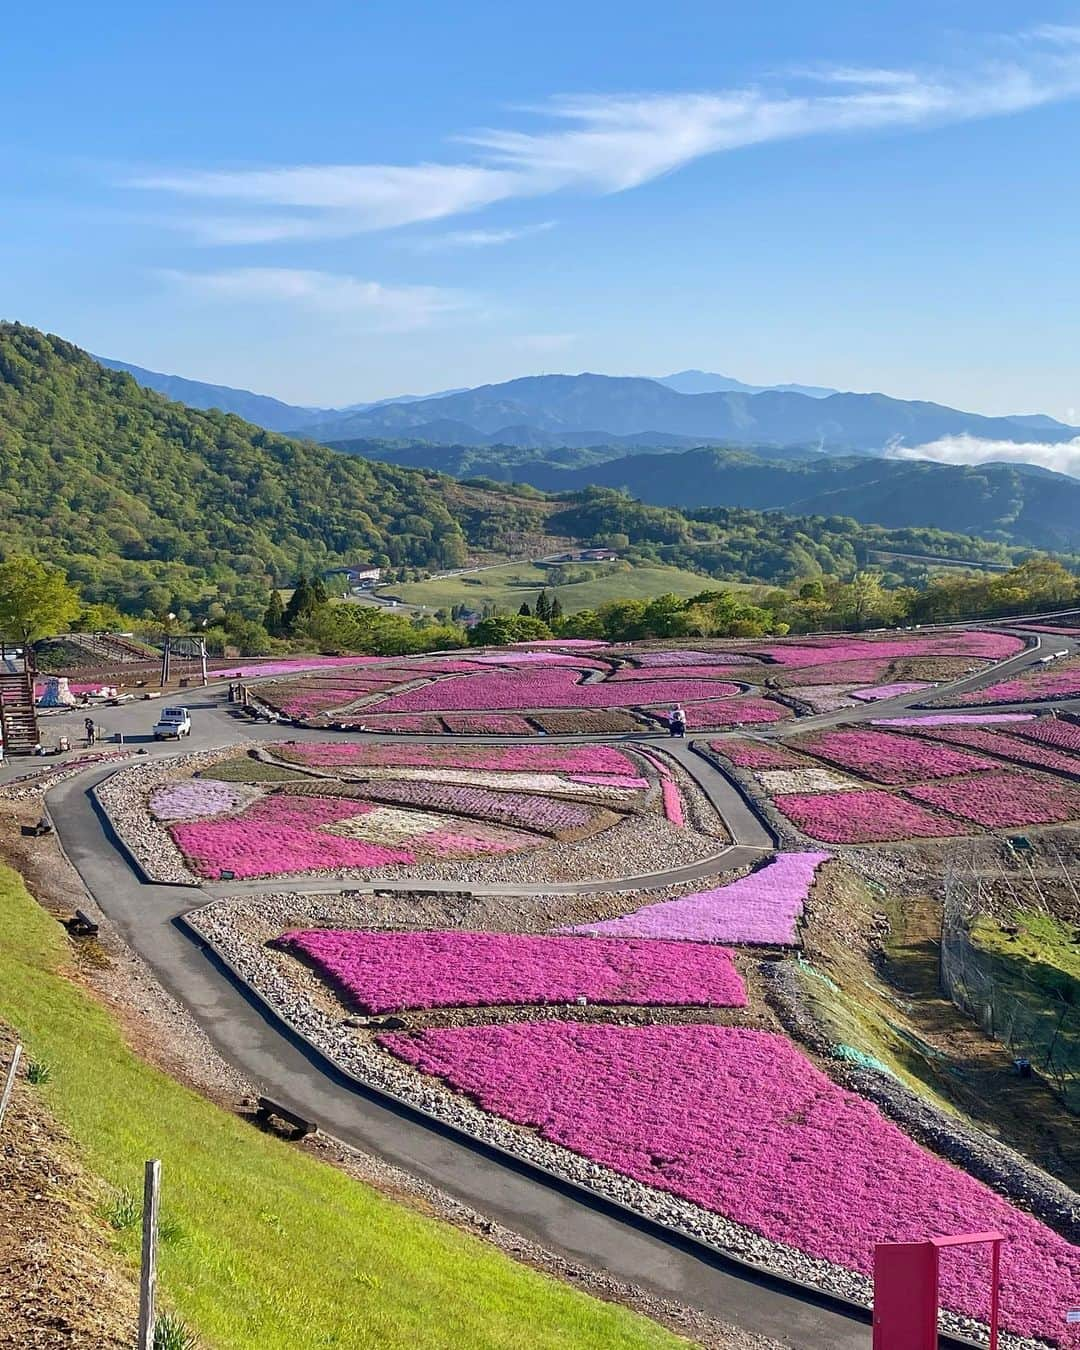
906	1290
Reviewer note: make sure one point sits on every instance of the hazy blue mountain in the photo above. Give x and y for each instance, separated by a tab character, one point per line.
704	382
545	409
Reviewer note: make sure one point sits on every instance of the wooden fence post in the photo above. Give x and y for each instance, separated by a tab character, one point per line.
148	1269
9	1082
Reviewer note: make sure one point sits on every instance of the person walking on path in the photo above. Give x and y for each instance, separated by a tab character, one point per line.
91	731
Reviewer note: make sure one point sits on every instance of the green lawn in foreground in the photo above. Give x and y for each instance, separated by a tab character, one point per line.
275	1250
508	585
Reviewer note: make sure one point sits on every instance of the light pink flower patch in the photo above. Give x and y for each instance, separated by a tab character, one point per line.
709	671
886	758
757	754
673	802
686	658
764	907
743	1124
868	817
952	719
880	691
195	797
389	971
1002	800
631	781
507	690
281	834
726	712
571	644
1036	686
833	650
251	669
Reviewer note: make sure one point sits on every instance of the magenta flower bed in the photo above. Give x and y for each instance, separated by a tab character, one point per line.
880	691
673	802
581	759
571	644
1050	731
507	690
1008	747
868	817
1000	800
887	758
1031	687
673	672
953	719
764	907
740	1122
251	669
487	724
725	712
508	658
389	972
757	754
527	810
280	834
318	698
831	651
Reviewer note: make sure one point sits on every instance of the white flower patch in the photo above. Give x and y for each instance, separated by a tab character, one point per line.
523	782
387	825
807	780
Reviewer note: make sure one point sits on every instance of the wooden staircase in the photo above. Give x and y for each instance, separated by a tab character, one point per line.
18	718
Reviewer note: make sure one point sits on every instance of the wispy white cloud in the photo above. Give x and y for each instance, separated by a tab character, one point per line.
610	143
1062	458
386	308
453	239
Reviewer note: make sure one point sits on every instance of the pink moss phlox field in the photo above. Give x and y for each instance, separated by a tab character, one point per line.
763	907
392	971
251	669
629	674
1007	747
1031	687
487	724
426	724
1000	800
887	758
580	759
830	651
511	658
880	691
571	644
1050	731
673	802
863	817
500	690
952	719
198	797
630	781
725	712
757	754
528	810
686	658
281	834
740	1122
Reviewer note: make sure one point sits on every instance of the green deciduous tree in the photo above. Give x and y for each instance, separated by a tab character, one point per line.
35	600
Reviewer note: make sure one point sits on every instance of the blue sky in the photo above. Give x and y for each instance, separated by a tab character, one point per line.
334	202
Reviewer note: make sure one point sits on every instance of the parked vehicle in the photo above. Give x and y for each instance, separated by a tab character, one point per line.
172	722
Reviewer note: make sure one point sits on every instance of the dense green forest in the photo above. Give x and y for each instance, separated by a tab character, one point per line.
149	505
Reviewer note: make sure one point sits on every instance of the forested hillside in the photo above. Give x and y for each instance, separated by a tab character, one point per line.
147	503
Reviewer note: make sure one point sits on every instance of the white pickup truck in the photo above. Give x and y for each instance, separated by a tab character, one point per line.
172	722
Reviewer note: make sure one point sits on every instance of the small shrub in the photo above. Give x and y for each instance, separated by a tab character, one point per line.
38	1071
123	1211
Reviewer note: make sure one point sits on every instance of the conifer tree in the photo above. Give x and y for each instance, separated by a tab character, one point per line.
524	609
274	618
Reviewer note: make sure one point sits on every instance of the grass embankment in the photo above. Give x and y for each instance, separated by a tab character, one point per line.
269	1247
506	587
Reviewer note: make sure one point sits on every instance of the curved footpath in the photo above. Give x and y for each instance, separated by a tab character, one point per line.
582	1228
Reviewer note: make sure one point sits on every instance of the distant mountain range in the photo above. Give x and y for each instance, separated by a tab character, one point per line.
679	411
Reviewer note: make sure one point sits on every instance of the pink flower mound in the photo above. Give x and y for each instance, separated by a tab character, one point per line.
280	834
764	907
1009	747
1001	800
886	758
672	672
1031	687
673	802
388	972
1050	731
594	759
757	754
726	712
741	1123
890	690
521	689
862	817
487	724
952	719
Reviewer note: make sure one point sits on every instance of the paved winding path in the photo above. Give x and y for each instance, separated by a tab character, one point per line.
582	1228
